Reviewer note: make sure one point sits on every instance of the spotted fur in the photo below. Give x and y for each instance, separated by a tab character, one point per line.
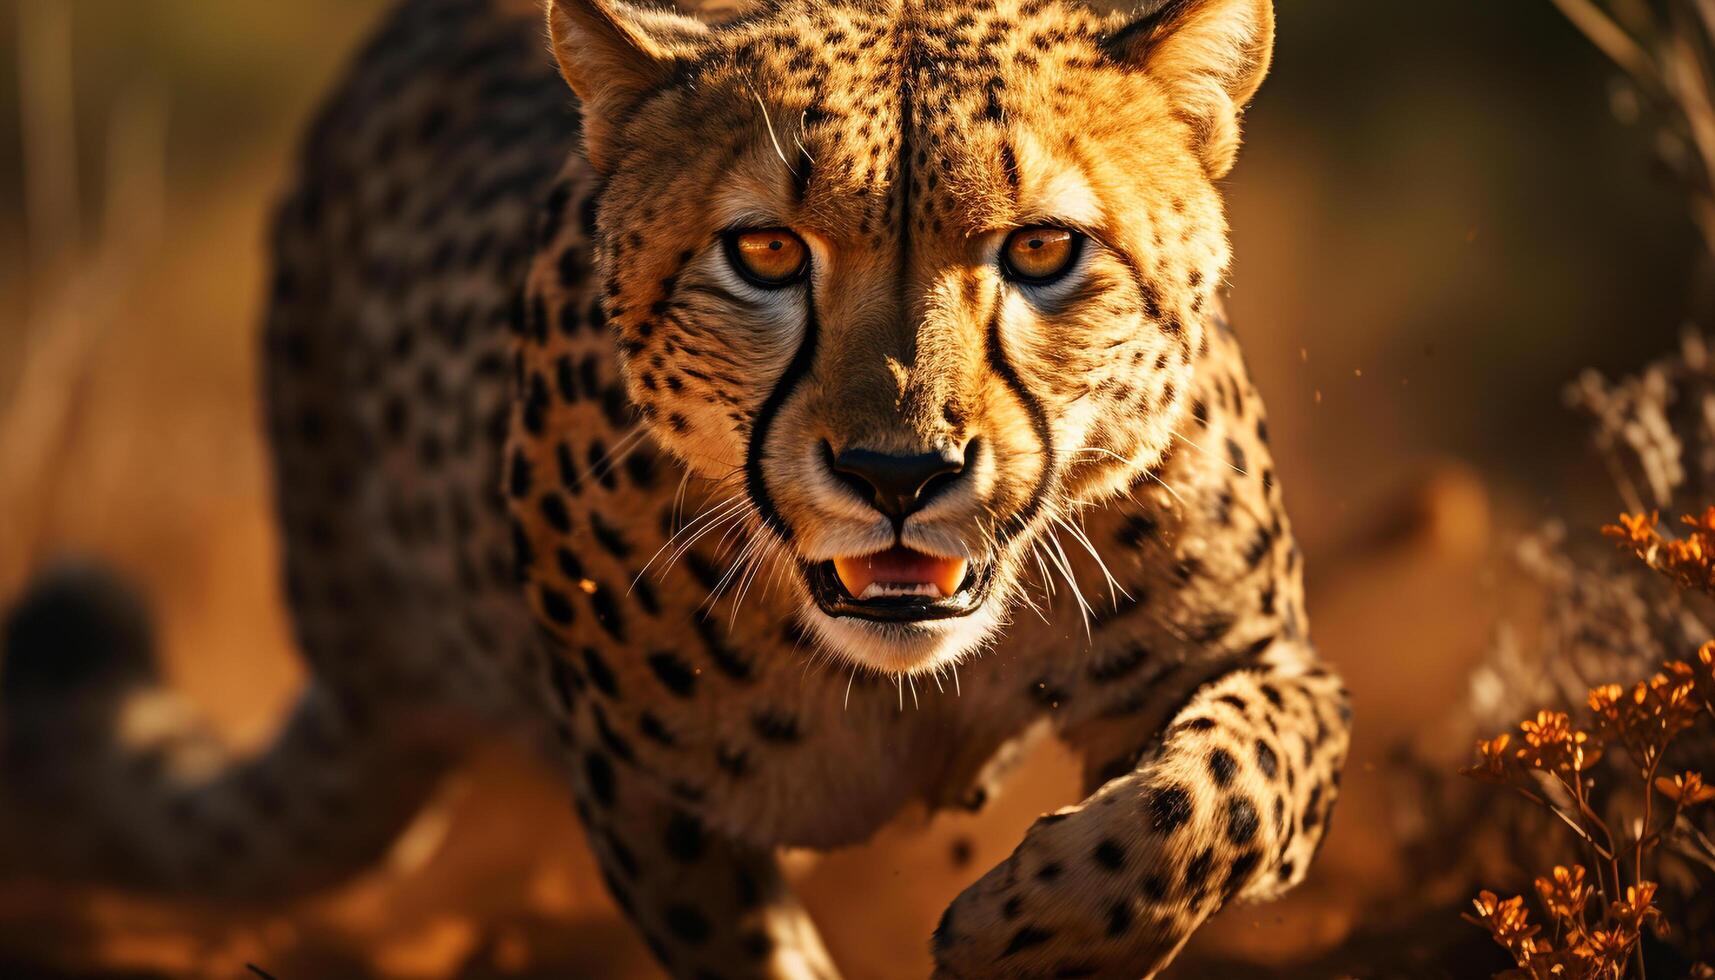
547	463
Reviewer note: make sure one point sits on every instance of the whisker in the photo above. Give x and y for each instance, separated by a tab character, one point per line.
1082	537
770	551
686	529
712	518
1065	565
738	564
1221	459
770	124
1172	492
625	445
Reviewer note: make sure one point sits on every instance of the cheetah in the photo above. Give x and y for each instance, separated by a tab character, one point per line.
773	429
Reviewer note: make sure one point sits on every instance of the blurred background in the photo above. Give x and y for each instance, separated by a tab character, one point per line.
1443	214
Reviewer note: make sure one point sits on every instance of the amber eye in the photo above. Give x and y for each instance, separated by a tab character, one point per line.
1040	254
770	258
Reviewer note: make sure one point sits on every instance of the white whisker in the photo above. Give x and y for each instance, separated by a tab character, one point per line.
1221	459
772	138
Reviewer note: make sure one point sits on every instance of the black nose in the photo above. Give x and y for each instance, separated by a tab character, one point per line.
897	485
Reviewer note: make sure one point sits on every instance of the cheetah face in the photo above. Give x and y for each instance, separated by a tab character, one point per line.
913	284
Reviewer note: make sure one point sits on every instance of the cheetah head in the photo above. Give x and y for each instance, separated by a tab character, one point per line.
913	281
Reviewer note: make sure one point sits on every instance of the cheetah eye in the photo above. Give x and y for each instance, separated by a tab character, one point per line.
772	258
1039	255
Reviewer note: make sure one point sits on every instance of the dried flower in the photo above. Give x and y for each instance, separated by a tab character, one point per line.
1687	789
1608	946
1508	922
1553	745
1690	560
1703	675
1494	763
1564	893
1637	908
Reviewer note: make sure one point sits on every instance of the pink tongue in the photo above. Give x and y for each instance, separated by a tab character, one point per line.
900	566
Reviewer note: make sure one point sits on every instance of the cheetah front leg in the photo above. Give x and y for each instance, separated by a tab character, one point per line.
1229	801
706	905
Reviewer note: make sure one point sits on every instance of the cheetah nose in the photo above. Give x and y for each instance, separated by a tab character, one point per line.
898	486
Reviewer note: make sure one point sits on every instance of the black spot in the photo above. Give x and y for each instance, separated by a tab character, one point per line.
776	726
1240	872
1259	547
1109	854
607	612
1212	631
1312	809
726	660
1138	529
600	674
1024	939
673	674
654	730
1049	871
685	922
570	566
554	512
1265	759
641	466
599	772
1241	820
1119	918
518	475
756	944
1222	766
568	470
555	605
733	761
1125	662
684	839
1046	694
1154	888
1012	909
609	537
1169	808
623	857
1197	872
1236	456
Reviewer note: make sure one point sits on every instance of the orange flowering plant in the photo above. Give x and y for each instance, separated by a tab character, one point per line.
1594	922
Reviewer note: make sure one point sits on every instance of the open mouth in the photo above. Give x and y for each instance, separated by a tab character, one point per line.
898	585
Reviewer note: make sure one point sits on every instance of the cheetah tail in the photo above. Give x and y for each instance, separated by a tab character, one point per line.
106	777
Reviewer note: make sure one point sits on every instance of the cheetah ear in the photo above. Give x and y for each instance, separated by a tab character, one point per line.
1211	54
613	54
